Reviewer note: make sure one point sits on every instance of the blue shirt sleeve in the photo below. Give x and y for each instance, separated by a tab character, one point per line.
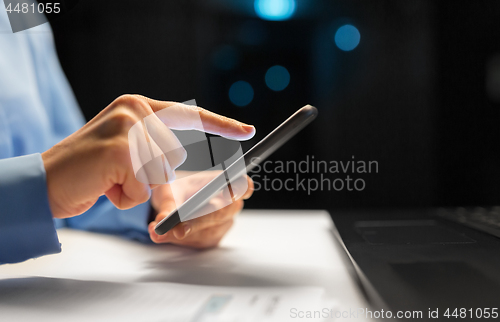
37	110
26	226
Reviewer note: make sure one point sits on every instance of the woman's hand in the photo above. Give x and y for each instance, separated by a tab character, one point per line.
96	160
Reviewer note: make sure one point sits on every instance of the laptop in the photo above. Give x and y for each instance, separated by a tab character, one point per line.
427	264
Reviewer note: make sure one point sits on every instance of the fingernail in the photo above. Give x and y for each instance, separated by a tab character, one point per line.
248	128
186	229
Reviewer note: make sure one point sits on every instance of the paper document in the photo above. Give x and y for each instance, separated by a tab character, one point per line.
52	299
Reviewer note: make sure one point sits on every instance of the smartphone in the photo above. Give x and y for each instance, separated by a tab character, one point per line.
252	158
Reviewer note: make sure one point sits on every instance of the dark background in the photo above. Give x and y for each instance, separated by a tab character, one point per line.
417	94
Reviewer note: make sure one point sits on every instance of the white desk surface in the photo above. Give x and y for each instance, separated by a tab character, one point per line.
264	248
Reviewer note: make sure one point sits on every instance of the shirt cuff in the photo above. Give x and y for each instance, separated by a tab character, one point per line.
26	226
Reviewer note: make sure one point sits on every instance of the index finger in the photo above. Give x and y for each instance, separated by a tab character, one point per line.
180	116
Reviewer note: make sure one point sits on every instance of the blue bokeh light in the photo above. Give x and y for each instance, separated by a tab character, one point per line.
275	9
347	37
241	93
277	78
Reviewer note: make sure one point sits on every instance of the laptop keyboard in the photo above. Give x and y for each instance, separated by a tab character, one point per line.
484	219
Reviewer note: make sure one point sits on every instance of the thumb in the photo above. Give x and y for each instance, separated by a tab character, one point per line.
178	116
